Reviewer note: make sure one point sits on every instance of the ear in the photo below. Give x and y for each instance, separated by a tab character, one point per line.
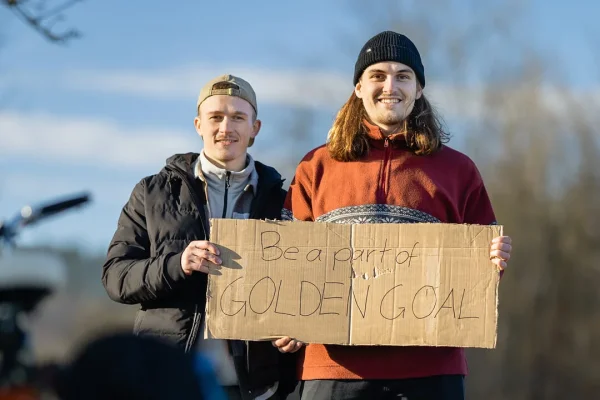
197	125
419	92
358	90
256	127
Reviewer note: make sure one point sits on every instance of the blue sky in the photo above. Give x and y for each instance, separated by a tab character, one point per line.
105	110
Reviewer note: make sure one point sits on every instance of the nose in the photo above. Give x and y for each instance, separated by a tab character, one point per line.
225	126
389	85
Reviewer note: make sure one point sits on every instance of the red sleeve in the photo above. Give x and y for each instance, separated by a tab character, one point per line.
478	207
298	203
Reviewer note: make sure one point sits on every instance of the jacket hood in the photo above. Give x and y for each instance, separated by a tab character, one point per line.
183	161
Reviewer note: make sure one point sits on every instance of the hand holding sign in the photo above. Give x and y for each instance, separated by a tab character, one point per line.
500	251
198	255
287	344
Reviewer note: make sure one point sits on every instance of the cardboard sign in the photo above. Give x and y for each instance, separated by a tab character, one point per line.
362	284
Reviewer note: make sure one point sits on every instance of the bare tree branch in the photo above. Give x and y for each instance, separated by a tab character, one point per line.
43	21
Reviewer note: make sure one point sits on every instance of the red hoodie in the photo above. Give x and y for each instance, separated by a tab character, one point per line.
388	185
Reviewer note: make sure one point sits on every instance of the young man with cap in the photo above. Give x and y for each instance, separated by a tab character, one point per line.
385	161
160	254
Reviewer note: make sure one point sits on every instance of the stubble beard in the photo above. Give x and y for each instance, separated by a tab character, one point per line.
393	117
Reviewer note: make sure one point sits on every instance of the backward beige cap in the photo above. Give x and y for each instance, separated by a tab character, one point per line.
243	90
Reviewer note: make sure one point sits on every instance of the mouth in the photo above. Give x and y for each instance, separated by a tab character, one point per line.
226	141
389	100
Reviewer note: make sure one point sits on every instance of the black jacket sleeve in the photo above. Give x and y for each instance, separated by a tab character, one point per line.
130	275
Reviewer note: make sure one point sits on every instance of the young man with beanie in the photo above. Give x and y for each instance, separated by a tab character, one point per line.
386	161
160	254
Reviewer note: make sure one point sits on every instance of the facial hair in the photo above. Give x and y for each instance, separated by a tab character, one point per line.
393	117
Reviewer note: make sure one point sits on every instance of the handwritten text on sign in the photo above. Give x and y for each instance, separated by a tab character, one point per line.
371	284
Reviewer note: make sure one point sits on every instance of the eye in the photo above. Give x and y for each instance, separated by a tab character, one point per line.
378	77
216	118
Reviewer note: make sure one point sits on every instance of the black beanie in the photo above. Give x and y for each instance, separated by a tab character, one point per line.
389	46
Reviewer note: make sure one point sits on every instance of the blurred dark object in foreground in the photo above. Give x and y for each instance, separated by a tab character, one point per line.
125	366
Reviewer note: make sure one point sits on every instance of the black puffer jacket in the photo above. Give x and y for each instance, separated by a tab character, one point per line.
164	213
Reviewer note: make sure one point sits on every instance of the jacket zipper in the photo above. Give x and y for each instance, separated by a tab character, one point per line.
227	186
247	356
194	332
382	189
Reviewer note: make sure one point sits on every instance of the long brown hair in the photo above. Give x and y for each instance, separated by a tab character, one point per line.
347	138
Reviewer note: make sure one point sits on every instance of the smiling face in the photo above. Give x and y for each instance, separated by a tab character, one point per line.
226	124
388	91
